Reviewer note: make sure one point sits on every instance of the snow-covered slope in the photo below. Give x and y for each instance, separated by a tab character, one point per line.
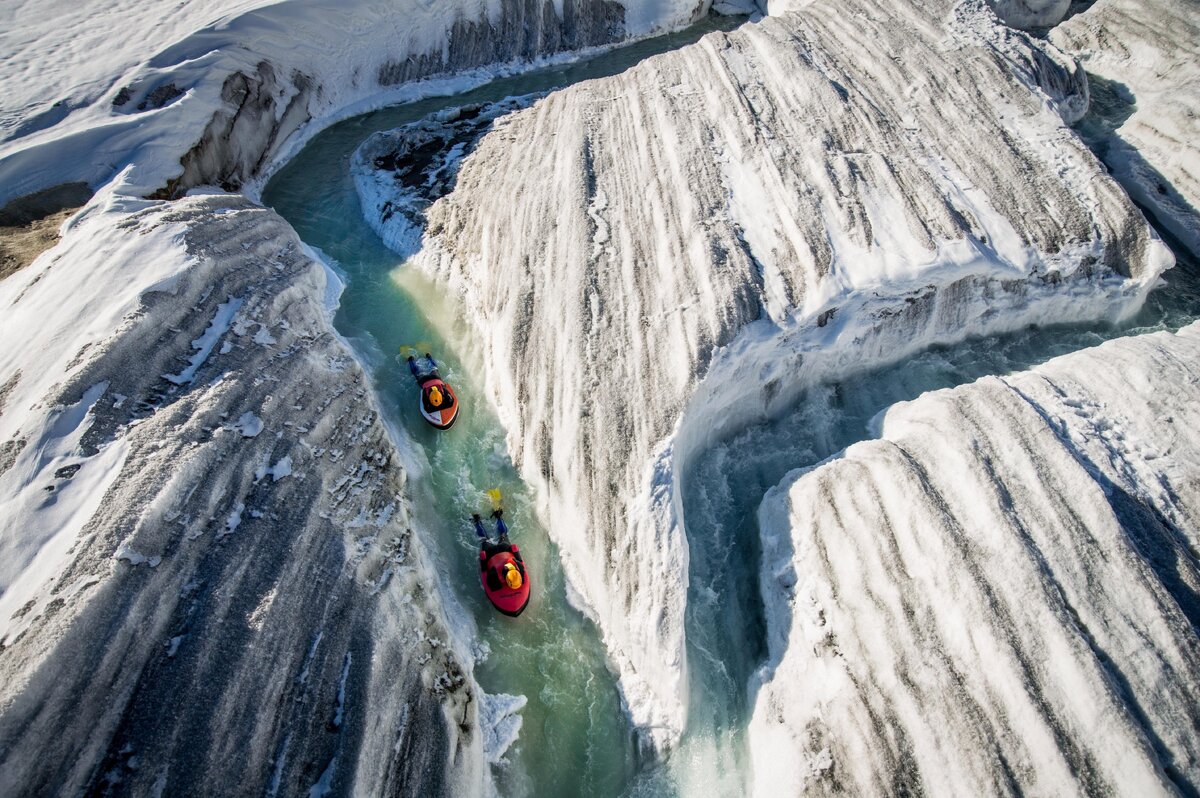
89	85
1001	595
1149	55
656	258
208	577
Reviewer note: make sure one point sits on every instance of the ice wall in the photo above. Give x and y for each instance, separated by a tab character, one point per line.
209	580
1148	55
832	187
998	596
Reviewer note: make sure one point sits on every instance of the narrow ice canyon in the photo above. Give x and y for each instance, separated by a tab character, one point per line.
838	361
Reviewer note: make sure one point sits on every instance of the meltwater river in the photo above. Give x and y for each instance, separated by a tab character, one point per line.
575	738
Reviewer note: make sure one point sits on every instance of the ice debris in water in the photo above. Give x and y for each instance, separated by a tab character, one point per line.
500	723
249	425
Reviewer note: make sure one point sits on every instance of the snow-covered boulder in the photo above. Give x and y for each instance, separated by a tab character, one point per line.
656	258
1000	595
1148	54
209	580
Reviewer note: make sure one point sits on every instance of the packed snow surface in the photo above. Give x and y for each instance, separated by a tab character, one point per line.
1145	57
1001	594
655	259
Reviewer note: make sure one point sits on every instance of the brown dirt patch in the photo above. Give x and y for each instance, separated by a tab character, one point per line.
29	225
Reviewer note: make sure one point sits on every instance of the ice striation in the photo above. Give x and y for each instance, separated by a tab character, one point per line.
171	619
1000	595
655	259
1145	58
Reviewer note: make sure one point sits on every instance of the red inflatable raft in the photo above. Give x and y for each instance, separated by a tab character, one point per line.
439	405
505	580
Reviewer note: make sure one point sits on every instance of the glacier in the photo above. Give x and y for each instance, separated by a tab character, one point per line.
213	571
655	259
997	595
256	79
183	592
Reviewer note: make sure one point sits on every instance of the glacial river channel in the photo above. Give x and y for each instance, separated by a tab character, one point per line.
576	739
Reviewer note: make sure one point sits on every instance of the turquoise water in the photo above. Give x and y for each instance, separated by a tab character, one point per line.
576	740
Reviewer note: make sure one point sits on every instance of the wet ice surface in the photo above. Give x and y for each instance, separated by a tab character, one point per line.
722	494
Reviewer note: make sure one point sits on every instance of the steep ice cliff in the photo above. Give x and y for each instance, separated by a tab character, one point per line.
656	258
228	85
209	581
1146	55
1000	595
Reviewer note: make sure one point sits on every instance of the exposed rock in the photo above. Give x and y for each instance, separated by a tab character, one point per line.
29	225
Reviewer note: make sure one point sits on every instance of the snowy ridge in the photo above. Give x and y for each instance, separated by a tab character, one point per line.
146	555
1150	52
231	84
855	207
999	595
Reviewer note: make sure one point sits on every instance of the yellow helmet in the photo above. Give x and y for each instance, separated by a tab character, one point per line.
512	576
435	397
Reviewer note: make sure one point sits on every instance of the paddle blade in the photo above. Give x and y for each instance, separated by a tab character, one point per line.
414	350
497	499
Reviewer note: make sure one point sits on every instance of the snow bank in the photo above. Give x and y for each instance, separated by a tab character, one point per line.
1148	53
998	596
232	85
657	258
170	619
